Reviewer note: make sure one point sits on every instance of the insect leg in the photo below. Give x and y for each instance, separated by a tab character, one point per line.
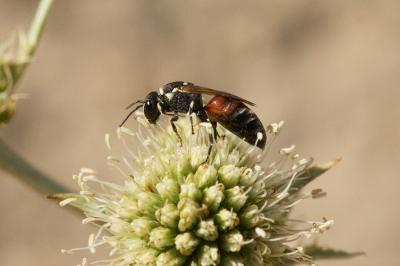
213	139
173	120
215	132
191	124
190	115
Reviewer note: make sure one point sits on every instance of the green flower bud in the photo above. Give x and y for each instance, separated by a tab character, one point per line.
128	209
170	258
198	156
226	220
148	202
168	215
248	177
161	238
146	257
213	196
207	230
233	157
183	166
235	198
232	241
190	191
205	176
221	155
120	227
229	175
189	214
208	255
143	226
233	260
186	243
249	216
168	189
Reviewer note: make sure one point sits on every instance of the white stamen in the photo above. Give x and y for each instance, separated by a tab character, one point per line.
127	131
107	140
87	171
67	201
91	244
288	150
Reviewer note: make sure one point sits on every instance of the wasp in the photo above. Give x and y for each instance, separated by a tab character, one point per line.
228	110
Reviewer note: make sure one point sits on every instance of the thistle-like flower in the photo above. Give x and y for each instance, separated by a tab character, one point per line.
15	56
172	207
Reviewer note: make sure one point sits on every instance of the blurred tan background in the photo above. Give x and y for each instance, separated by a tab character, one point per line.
330	69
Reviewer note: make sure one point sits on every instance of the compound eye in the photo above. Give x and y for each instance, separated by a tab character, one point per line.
151	111
151	104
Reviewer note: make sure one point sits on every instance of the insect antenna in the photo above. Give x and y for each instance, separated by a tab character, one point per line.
131	112
132	104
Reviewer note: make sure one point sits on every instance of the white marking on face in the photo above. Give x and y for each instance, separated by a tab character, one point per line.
185	83
175	90
191	104
161	90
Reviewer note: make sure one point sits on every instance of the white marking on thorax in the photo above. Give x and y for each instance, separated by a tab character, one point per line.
161	90
169	95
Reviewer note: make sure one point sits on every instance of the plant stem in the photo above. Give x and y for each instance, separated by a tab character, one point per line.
38	23
17	166
28	44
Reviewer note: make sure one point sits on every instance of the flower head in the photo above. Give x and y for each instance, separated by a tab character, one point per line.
175	207
14	57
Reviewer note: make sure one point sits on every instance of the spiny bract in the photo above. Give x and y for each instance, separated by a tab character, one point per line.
176	208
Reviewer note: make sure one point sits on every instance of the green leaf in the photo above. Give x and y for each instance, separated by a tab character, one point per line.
312	173
319	253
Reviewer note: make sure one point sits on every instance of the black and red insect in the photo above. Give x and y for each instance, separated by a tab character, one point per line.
229	110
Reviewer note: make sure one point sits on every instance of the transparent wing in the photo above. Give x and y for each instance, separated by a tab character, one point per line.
199	89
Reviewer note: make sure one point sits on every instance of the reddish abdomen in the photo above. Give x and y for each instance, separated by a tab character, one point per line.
237	118
220	107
